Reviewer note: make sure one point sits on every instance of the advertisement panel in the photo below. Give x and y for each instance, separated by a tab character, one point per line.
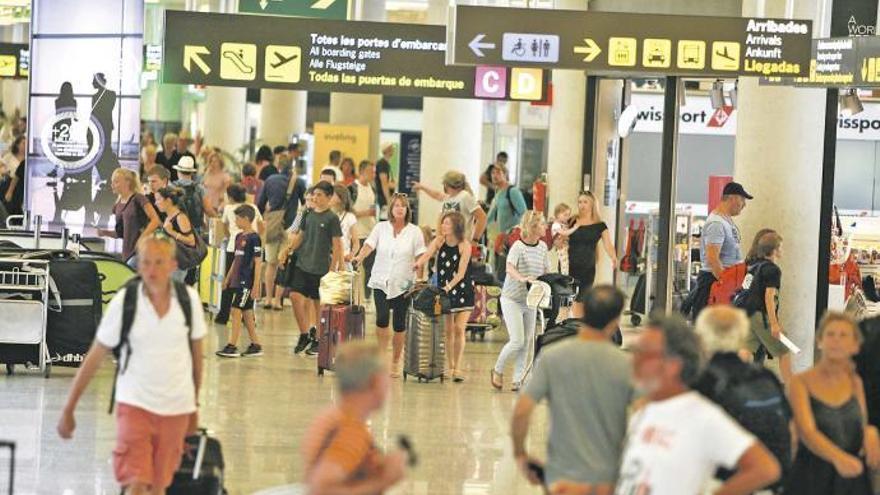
352	140
84	118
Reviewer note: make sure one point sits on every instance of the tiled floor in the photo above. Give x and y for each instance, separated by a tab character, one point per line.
260	408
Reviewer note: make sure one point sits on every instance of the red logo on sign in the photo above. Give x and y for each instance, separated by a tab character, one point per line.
720	117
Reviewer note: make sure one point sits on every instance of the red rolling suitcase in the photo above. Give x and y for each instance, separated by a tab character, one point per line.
339	323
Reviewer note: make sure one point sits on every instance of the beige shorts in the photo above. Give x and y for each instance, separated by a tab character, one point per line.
760	334
271	249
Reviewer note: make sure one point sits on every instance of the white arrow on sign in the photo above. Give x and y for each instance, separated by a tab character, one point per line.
323	4
265	3
193	53
477	46
590	50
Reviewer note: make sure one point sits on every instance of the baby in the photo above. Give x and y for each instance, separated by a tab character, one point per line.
561	224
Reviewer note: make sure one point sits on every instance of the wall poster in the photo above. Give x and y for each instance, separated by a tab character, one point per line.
84	119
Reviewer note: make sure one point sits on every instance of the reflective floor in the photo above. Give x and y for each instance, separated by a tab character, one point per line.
259	408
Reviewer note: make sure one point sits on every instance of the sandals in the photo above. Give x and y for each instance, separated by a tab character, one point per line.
497	380
514	387
456	378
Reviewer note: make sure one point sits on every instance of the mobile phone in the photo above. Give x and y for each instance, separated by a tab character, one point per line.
537	470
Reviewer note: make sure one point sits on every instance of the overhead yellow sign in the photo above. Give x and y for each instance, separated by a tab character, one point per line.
657	53
238	61
725	55
283	63
622	52
691	54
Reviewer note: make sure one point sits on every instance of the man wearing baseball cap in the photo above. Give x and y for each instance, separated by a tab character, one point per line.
720	242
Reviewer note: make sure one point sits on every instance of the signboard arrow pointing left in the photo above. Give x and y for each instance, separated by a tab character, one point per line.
477	46
192	54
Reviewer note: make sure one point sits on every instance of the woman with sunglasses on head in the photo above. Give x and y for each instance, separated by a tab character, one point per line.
397	244
586	231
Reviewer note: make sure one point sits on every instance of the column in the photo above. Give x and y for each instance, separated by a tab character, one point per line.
282	114
360	109
451	140
225	113
779	160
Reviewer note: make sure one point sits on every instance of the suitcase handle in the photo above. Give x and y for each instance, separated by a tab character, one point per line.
11	447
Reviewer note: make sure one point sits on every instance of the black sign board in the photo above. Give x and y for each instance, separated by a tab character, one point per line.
854	18
14	60
326	56
839	63
617	43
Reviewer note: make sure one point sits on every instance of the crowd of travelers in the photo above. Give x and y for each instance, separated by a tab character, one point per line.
674	413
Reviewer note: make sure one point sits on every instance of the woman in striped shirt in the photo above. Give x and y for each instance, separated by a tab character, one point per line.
526	261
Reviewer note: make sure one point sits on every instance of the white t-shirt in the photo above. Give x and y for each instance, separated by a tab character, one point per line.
346	222
159	374
464	203
675	446
229	220
335	169
393	271
366	198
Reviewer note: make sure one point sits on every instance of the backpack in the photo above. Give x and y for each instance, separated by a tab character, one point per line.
129	308
744	297
527	197
754	397
193	205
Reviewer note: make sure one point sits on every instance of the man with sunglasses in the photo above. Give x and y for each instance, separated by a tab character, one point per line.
677	441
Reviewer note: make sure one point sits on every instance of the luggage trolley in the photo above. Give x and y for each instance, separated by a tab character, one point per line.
24	300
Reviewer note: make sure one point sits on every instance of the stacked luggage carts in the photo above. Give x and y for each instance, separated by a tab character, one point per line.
24	304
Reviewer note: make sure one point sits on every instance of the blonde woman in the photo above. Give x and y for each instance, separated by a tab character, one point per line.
215	181
135	216
457	196
586	231
453	257
526	261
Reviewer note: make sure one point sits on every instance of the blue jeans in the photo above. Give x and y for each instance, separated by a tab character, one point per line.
520	322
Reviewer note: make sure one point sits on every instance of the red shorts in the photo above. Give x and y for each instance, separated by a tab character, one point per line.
148	446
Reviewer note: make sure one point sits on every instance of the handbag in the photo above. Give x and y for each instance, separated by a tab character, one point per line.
430	300
191	256
275	219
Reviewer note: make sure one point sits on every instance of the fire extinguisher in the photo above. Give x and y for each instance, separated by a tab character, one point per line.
539	193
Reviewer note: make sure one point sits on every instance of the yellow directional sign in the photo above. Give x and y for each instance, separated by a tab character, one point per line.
8	65
871	69
283	63
691	54
657	53
590	50
725	55
622	52
238	61
192	54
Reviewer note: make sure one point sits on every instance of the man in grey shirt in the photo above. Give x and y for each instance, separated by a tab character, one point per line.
587	382
720	243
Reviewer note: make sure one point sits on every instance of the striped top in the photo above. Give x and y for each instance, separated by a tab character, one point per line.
530	260
343	440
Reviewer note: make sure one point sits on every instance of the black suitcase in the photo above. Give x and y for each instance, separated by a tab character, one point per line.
70	331
201	468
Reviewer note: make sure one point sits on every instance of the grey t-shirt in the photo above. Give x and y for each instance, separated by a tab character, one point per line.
721	231
589	388
318	229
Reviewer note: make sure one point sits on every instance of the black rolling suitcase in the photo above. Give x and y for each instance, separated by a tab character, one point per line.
201	469
70	331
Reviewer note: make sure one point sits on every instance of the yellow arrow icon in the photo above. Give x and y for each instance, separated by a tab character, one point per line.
193	54
590	50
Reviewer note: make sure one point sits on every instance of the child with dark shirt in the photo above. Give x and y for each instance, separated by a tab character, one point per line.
244	279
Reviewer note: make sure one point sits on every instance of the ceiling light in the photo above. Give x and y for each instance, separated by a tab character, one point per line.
716	94
849	102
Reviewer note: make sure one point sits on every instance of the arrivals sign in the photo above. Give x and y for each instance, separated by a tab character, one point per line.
617	43
838	63
321	9
328	56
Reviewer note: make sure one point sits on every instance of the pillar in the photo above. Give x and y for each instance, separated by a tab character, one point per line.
282	113
779	161
451	140
360	109
225	113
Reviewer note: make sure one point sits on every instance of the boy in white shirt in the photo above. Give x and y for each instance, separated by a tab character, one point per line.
156	401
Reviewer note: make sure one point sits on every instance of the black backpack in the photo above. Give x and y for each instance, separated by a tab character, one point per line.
193	206
527	197
129	308
744	298
754	397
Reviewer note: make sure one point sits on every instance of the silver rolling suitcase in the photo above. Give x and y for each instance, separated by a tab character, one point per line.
425	356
